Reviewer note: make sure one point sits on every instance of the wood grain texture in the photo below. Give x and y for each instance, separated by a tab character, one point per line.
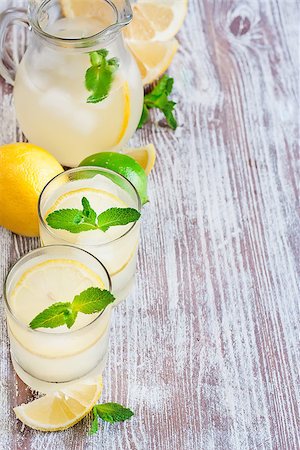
206	349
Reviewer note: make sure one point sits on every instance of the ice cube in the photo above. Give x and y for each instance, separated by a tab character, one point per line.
84	121
64	106
58	101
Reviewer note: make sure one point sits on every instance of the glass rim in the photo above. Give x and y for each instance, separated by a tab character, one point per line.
82	169
82	42
20	261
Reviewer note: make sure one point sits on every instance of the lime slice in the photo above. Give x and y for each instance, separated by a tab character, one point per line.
123	165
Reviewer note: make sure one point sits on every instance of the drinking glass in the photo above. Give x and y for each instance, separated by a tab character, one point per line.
49	359
116	248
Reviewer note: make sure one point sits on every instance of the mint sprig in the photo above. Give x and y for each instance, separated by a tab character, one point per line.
109	412
158	98
99	77
76	220
89	301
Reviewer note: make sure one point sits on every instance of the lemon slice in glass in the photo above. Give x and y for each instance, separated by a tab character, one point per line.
49	282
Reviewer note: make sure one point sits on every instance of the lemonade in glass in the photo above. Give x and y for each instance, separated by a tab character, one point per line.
103	189
47	359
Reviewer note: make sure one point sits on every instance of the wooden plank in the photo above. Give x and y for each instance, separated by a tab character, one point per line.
206	349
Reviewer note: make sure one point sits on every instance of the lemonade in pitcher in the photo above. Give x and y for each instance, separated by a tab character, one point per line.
77	90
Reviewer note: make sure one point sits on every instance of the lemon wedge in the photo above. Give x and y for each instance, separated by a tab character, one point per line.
145	156
153	57
63	408
157	20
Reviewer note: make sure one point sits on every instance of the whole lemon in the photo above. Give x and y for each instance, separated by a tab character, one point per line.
24	171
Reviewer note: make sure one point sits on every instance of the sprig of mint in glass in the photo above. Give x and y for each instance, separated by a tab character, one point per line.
76	220
99	77
158	98
89	301
109	412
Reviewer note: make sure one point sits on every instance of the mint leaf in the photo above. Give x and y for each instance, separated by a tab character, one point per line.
96	57
168	85
117	216
109	412
164	86
168	112
94	427
70	318
113	63
98	80
88	212
144	117
72	220
113	412
99	77
52	317
158	98
92	300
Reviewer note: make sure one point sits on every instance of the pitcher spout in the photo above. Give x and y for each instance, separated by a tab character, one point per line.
123	11
110	15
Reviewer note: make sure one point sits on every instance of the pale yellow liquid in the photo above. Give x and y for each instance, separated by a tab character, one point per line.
51	357
117	247
51	98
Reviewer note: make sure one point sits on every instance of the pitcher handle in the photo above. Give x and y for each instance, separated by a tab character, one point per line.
8	66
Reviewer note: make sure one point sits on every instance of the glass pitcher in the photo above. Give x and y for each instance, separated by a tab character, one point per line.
57	106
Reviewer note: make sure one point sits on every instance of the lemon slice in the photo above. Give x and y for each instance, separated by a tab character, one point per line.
99	199
156	20
62	409
153	57
145	156
126	97
49	282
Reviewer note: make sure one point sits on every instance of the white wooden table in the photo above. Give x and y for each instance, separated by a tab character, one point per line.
206	349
